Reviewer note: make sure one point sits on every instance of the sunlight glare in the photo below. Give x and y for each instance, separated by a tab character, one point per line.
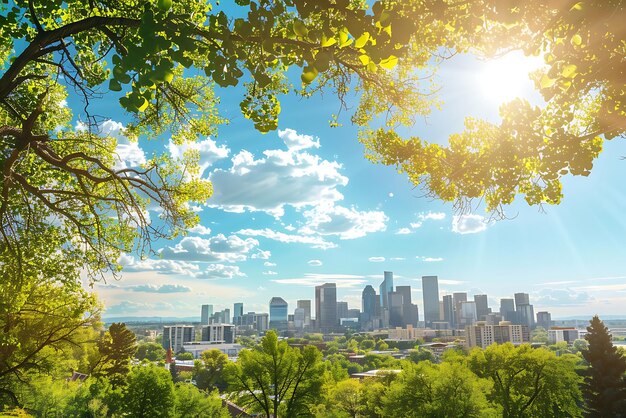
504	78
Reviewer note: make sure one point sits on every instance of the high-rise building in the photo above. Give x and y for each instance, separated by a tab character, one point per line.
468	313
255	321
430	293
298	318
448	310
177	335
237	313
410	314
206	313
526	315
507	310
278	313
219	333
342	310
326	307
306	305
368	303
482	307
395	309
457	299
544	319
386	287
483	335
521	299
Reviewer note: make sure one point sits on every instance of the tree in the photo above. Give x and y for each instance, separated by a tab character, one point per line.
208	370
348	397
149	393
539	335
445	390
605	384
150	351
116	347
193	403
533	147
527	381
275	379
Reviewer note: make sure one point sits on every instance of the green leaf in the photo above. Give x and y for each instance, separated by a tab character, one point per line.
300	29
114	85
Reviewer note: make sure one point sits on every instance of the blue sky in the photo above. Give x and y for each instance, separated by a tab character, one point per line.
301	206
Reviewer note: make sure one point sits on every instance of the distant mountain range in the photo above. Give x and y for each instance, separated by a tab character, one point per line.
110	319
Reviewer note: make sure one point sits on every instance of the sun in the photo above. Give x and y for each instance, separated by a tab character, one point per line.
504	78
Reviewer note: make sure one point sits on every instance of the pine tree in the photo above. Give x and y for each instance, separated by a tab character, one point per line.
605	382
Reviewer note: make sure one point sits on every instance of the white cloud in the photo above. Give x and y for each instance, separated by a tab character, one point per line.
376	259
397	259
403	231
164	288
313	241
128	152
435	216
469	224
561	297
200	230
292	177
262	255
429	259
129	263
341	280
296	141
328	219
215	249
207	150
269	273
314	263
220	271
269	264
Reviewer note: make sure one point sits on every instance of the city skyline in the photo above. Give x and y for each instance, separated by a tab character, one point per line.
300	207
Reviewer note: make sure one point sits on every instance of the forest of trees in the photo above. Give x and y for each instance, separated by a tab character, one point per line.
69	210
272	378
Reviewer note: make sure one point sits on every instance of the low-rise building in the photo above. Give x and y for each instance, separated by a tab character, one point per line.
483	335
567	334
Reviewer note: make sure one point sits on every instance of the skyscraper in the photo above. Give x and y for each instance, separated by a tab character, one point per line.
237	313
410	314
430	293
544	319
386	287
342	310
278	313
326	307
175	336
206	313
482	306
368	307
521	299
306	305
457	299
448	310
507	309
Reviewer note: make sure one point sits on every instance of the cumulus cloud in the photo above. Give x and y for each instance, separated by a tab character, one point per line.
469	224
200	230
561	297
261	254
282	177
341	280
376	259
397	259
128	153
215	249
164	288
269	273
127	306
296	141
314	263
328	219
269	264
130	263
403	231
313	241
435	216
220	271
208	151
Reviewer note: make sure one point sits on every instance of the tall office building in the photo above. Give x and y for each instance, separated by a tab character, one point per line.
306	305
430	293
237	313
256	321
326	307
177	335
219	333
395	309
278	313
342	310
457	299
206	314
386	287
507	310
544	319
526	315
448	310
521	299
482	307
468	313
369	301
410	314
298	318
